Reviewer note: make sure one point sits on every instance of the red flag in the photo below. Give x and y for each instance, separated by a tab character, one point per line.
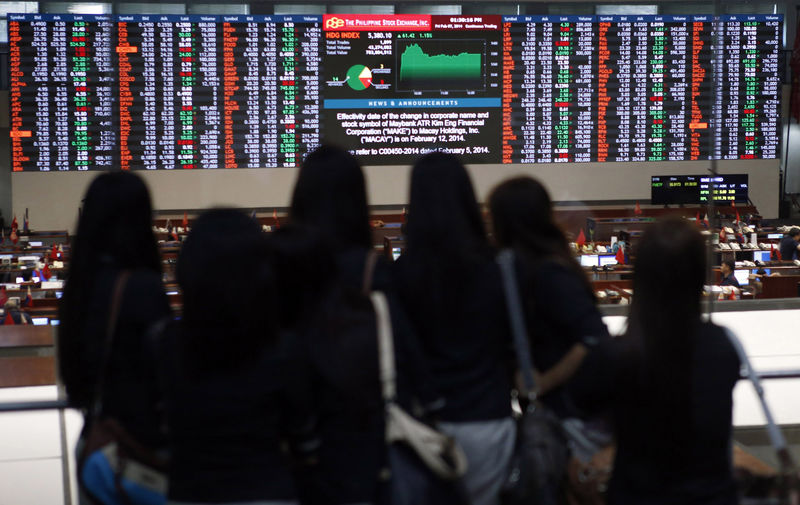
3	296
705	220
738	219
8	320
275	217
637	210
620	256
722	235
14	238
174	234
28	302
581	241
732	296
54	252
775	253
46	272
14	225
185	222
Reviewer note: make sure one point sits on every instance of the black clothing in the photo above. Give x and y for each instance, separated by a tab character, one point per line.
643	473
342	351
226	427
466	338
730	280
341	348
560	312
131	388
414	376
350	264
788	248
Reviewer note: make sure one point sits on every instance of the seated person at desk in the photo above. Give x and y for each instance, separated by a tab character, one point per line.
790	244
622	241
728	279
13	315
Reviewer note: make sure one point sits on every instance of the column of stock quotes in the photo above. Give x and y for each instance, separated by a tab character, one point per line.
183	92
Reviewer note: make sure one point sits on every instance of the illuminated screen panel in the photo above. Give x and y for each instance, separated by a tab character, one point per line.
147	92
395	90
188	92
696	189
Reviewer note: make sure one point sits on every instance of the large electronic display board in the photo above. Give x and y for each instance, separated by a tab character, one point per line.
168	92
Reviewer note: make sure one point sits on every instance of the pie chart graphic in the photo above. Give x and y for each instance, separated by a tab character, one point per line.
359	77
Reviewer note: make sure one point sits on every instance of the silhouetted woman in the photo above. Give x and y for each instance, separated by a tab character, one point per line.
235	393
561	315
452	290
114	235
330	196
669	380
331	219
336	330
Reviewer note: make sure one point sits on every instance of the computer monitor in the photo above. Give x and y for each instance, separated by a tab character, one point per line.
35	244
396	252
40	321
762	256
54	322
589	260
608	260
742	276
774	235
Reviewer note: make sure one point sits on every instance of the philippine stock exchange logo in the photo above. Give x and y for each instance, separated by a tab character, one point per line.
334	23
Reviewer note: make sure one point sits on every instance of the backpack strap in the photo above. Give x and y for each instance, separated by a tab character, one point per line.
111	328
505	259
369	271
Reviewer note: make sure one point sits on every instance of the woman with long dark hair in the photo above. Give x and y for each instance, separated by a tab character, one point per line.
114	236
669	380
326	268
336	330
235	392
561	314
452	290
330	196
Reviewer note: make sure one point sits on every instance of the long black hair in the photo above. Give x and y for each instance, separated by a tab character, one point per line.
445	234
330	195
522	218
664	318
304	272
229	295
444	220
114	229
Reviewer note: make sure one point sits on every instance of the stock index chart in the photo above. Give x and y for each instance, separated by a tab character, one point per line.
191	92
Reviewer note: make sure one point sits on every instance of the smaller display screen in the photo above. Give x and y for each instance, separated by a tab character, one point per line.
697	189
608	260
743	276
762	256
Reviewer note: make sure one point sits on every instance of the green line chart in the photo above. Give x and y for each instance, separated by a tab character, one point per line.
441	65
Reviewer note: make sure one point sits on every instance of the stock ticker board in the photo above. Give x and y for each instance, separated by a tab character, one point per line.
185	92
